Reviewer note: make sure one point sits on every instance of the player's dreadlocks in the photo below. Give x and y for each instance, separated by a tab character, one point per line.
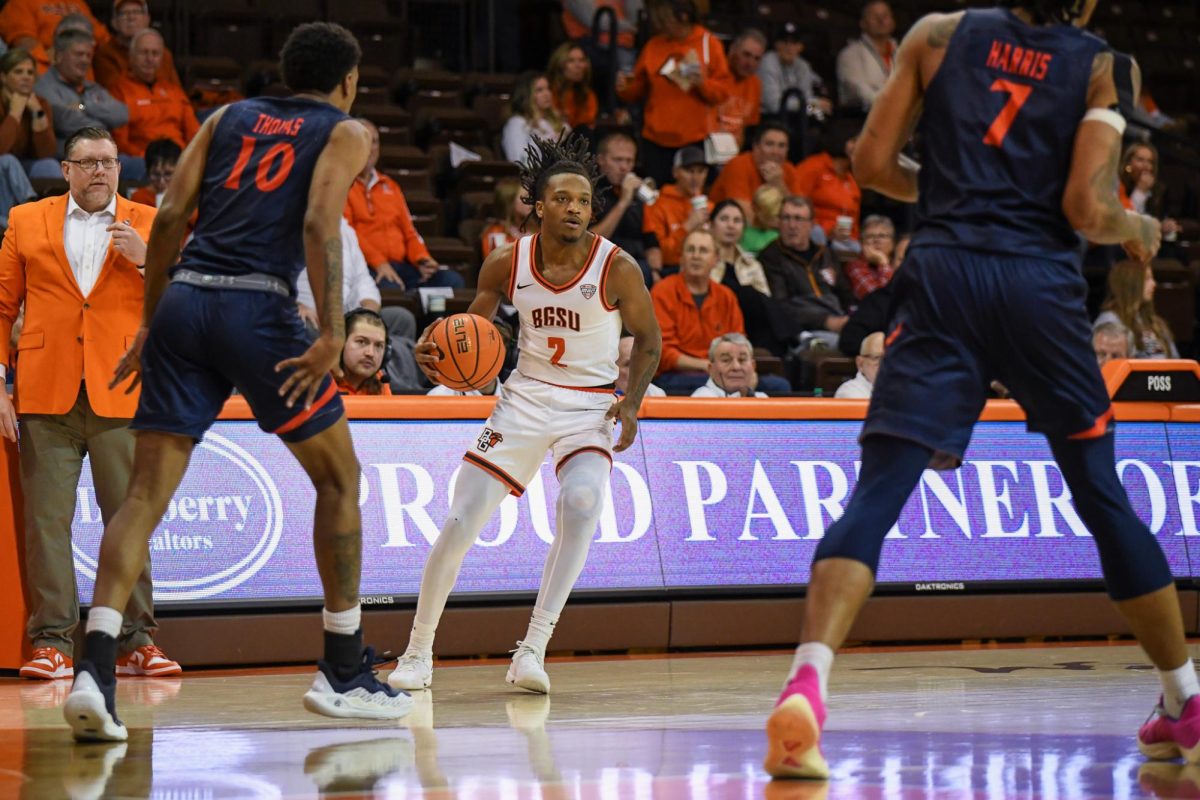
545	158
1047	11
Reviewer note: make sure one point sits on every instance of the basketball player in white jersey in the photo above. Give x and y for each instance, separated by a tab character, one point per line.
574	291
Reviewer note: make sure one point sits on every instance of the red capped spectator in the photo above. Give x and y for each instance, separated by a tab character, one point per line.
570	75
158	109
681	76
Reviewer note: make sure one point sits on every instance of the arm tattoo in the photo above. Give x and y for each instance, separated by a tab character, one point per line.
940	33
333	314
642	367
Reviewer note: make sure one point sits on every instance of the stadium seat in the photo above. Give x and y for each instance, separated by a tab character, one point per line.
461	125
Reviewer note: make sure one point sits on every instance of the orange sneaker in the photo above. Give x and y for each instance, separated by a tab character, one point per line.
147	660
47	664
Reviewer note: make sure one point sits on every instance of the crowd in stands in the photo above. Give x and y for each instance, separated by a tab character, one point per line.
724	160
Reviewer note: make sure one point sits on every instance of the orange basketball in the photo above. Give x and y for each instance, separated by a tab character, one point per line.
472	351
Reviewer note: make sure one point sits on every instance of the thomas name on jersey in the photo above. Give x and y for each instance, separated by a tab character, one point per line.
273	126
1023	61
554	317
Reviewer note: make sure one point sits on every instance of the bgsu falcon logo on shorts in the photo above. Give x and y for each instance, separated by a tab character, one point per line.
589	290
489	439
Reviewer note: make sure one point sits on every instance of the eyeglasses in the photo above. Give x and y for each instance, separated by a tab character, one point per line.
792	218
90	164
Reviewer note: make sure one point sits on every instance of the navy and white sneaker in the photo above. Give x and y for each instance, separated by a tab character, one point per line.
361	697
91	708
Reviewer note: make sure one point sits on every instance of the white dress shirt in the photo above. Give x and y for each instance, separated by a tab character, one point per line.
357	284
711	389
857	388
86	239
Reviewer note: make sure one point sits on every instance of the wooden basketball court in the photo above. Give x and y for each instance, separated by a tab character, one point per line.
961	722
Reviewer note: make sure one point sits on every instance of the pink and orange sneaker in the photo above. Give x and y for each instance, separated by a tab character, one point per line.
794	730
1163	737
47	664
147	660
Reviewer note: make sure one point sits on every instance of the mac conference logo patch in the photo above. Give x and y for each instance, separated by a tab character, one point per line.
588	290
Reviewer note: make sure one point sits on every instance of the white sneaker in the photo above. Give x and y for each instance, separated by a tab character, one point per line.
414	671
527	669
361	697
91	711
356	765
87	776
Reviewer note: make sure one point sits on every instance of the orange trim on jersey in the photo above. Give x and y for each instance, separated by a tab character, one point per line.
305	415
512	278
612	255
1097	430
514	486
594	389
588	449
894	335
547	284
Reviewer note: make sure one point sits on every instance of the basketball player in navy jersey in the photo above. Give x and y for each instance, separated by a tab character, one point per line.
1020	134
574	290
270	177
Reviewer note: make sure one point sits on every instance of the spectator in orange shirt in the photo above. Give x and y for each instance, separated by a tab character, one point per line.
394	250
826	179
32	24
27	132
157	109
111	61
692	310
742	109
766	162
510	215
364	354
680	209
570	75
681	76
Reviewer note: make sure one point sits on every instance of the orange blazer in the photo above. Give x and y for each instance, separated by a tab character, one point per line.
66	336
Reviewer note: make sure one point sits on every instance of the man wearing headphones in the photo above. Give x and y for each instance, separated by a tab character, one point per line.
364	354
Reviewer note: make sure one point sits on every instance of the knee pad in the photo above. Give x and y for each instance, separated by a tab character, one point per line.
580	497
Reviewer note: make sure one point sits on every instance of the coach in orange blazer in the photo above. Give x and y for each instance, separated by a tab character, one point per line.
75	262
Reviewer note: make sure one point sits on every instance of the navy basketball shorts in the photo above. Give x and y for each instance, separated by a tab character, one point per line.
963	318
205	342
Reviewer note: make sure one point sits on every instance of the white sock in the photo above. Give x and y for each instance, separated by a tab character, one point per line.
420	640
541	628
345	622
108	620
1177	684
820	656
